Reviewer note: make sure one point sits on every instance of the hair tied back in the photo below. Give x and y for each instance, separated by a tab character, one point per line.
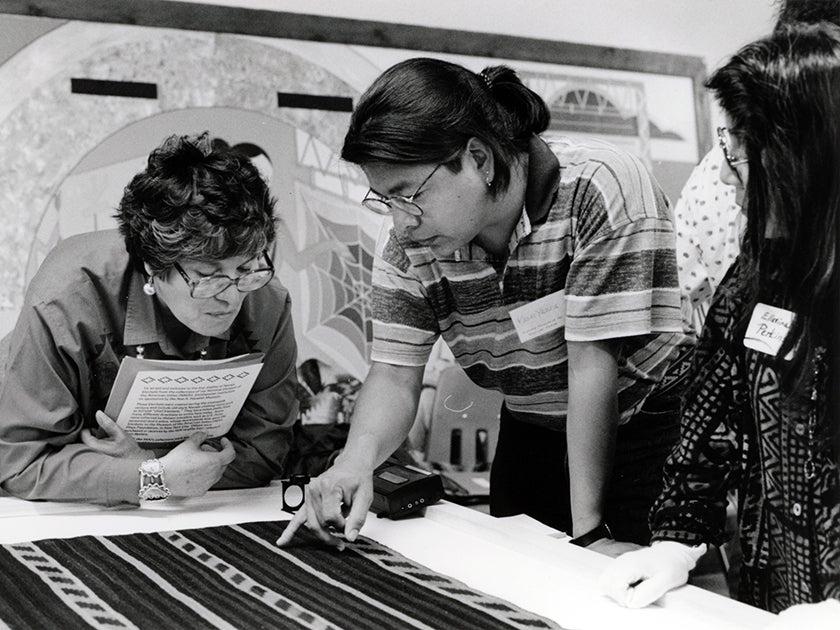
485	76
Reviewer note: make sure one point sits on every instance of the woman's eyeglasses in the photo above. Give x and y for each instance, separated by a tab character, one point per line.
725	143
385	205
211	286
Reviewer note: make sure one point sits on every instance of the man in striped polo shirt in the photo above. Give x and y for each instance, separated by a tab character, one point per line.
550	272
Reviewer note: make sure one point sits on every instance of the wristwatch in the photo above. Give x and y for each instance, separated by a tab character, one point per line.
592	536
152	483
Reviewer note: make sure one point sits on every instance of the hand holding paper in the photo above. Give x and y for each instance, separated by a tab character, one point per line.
164	402
117	442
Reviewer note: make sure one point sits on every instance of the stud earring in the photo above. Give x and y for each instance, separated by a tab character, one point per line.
149	288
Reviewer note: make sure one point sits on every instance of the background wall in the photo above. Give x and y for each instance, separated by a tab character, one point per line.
63	153
711	29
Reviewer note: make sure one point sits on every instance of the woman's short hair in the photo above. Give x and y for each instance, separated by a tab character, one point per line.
197	199
425	110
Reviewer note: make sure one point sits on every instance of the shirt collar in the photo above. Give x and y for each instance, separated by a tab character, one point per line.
522	229
541	191
144	323
140	316
543	180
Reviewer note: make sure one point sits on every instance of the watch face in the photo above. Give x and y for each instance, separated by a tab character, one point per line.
152	467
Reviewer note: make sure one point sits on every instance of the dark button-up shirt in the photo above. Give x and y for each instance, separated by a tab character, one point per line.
84	311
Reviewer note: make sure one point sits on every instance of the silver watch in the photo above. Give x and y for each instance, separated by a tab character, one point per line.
152	482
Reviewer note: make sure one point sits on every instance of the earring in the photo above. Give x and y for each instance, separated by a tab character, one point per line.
149	288
488	181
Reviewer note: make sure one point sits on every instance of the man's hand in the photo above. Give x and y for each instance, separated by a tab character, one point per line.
191	469
117	442
336	501
640	577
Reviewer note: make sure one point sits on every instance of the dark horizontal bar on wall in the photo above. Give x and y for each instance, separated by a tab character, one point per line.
198	16
313	101
99	87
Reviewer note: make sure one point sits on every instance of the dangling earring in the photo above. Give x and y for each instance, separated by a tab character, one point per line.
149	287
489	181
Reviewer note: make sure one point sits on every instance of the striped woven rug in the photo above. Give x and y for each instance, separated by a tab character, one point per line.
234	577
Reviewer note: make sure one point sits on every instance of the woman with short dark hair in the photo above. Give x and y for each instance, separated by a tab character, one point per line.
187	276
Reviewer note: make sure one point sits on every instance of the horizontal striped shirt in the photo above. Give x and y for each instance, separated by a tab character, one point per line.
607	243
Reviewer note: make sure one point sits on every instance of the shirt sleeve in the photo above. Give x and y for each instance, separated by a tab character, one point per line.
262	433
622	278
404	326
702	467
41	455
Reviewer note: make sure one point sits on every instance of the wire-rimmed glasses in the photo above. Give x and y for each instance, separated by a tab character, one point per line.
211	286
725	143
385	205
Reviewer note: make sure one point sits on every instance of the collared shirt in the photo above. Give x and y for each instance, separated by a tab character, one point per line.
84	311
601	233
739	431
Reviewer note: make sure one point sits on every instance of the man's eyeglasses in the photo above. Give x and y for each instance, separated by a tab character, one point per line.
385	205
725	142
211	286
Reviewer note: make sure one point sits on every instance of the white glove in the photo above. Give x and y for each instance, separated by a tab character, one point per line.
639	578
822	616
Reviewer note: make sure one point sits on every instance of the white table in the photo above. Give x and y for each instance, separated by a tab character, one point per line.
516	558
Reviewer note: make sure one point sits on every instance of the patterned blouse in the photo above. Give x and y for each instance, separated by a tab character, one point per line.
738	432
709	224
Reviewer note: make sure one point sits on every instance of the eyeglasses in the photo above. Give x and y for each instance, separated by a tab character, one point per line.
385	205
725	142
211	286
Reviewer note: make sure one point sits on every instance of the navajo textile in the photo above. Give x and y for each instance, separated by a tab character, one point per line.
234	577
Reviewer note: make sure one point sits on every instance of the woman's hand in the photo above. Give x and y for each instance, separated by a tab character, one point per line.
336	501
117	442
191	468
638	578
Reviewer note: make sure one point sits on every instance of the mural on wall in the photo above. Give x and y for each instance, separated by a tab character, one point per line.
92	99
70	169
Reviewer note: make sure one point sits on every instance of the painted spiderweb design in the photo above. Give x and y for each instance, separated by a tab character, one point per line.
330	279
345	287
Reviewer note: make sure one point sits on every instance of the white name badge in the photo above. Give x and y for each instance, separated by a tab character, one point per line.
768	328
540	316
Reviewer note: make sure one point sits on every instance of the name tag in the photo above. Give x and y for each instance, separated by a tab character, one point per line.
540	316
768	328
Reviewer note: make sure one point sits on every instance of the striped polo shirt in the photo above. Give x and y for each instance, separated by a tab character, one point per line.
604	250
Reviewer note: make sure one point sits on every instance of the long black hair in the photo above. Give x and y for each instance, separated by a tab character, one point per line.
782	96
425	110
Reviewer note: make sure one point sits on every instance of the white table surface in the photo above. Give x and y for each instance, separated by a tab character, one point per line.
516	558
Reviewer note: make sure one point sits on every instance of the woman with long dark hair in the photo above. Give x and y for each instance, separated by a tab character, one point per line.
761	415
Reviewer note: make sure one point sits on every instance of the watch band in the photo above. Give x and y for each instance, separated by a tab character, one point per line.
593	535
152	482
